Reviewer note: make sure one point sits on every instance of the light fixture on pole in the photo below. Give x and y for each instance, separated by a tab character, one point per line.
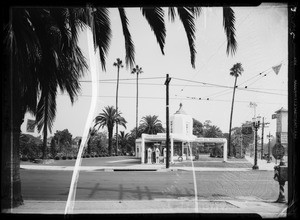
255	124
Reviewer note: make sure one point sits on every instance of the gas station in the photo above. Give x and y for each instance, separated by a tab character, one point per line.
152	148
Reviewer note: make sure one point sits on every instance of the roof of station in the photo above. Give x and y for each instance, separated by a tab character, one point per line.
180	110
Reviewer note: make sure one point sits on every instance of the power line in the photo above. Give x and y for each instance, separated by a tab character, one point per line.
174	98
218	49
204	83
113	80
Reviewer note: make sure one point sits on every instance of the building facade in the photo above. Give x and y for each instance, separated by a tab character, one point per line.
152	148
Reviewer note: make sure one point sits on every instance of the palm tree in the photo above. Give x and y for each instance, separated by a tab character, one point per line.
119	65
44	55
138	70
235	71
151	125
92	133
108	118
124	137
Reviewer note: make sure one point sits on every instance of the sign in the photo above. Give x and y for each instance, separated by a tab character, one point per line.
278	151
30	125
279	127
284	138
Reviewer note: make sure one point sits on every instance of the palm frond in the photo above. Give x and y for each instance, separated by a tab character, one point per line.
155	18
187	19
102	32
171	13
46	109
129	47
228	23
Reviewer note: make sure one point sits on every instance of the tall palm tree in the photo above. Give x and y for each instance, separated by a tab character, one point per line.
151	125
119	65
235	71
44	55
108	118
137	70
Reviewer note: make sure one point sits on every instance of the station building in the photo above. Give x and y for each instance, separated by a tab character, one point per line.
181	141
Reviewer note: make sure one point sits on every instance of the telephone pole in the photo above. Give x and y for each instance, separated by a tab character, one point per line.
167	120
262	136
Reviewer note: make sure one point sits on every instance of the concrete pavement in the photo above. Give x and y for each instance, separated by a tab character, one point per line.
263	165
265	209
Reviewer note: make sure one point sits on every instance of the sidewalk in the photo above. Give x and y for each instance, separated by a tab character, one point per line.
265	209
263	165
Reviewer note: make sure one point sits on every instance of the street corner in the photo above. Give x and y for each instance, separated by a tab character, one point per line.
266	209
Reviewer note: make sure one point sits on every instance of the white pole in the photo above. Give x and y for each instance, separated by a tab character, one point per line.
225	150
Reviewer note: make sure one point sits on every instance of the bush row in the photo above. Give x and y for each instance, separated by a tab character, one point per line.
60	157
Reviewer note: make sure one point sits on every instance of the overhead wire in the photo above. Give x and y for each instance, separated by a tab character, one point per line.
217	50
163	98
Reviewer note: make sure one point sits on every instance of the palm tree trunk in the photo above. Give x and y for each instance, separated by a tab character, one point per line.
45	125
110	133
117	111
230	124
45	141
10	159
137	104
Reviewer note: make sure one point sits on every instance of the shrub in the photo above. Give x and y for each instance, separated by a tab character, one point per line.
83	156
70	157
75	157
64	157
87	156
56	158
24	159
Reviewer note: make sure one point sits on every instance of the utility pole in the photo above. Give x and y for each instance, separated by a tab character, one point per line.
262	136
241	139
269	148
167	120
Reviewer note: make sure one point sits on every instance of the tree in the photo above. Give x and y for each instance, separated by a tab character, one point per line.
212	131
124	142
119	65
108	118
98	143
235	71
53	148
30	146
137	70
42	47
64	141
151	125
92	133
197	128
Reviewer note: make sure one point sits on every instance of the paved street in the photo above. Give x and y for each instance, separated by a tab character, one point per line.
148	185
123	185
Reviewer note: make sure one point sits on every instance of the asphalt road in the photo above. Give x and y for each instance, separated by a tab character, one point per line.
149	185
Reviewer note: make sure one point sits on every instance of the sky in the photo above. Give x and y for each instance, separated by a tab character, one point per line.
262	38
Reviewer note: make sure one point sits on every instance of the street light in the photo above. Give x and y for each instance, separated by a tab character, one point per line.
269	148
255	123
